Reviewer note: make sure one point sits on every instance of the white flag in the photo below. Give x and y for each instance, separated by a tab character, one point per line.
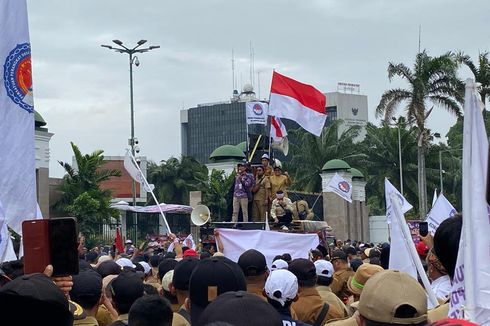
135	172
441	210
434	198
17	153
404	204
189	242
341	187
257	113
470	295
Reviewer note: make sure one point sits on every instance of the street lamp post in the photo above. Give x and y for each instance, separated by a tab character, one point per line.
399	155
121	48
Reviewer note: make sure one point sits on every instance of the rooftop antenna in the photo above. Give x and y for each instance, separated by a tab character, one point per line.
251	65
258	84
233	82
420	33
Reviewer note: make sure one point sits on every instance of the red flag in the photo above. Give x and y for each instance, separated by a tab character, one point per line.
118	242
296	101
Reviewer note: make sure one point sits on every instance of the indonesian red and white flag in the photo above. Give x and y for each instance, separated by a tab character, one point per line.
278	130
296	101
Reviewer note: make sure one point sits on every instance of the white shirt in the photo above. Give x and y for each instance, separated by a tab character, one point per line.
442	287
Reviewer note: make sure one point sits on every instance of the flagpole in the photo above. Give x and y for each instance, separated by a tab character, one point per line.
152	194
411	248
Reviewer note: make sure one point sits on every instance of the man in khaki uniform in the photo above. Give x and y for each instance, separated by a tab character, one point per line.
310	307
254	267
324	272
341	275
261	192
86	292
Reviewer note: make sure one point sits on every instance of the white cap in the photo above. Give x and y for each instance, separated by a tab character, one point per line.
167	279
146	267
128	241
102	259
124	262
265	156
324	268
279	264
281	285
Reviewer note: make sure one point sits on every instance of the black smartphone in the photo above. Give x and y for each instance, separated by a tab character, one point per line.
63	238
423	229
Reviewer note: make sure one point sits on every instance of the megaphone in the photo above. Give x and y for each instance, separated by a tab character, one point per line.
200	215
282	146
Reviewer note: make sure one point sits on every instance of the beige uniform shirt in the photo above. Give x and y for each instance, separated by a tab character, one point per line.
329	297
89	320
309	306
339	284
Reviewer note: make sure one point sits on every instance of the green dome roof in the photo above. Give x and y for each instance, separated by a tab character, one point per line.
227	152
242	146
336	165
356	173
39	121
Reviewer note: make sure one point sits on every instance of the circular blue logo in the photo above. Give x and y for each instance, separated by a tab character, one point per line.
258	109
17	75
344	186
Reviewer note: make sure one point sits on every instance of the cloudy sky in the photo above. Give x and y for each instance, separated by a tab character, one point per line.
82	89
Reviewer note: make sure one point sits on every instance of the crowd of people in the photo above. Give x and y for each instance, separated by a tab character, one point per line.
349	285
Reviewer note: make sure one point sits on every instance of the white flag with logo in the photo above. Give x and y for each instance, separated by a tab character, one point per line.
441	210
257	113
135	172
470	295
404	204
17	153
341	187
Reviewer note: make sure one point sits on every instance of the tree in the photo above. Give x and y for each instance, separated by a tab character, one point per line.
309	153
481	71
174	178
215	195
81	193
432	80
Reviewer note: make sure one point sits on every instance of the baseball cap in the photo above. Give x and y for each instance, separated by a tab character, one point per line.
109	267
38	297
350	250
377	302
87	284
146	267
127	287
323	268
355	263
240	309
363	274
182	273
279	264
102	259
128	241
166	265
167	279
303	269
125	262
422	249
211	278
190	253
338	254
281	286
367	251
252	263
266	156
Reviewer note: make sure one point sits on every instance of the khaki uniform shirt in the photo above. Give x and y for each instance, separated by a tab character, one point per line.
309	306
438	313
339	284
329	297
263	183
280	182
89	320
178	320
103	316
277	210
351	321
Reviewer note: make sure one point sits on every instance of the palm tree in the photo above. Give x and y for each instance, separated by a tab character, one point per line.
215	196
309	154
174	178
481	71
432	80
81	193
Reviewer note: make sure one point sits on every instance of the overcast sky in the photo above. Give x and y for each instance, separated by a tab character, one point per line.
82	90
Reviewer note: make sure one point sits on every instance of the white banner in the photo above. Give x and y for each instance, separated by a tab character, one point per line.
441	210
404	204
341	187
257	113
17	153
470	295
135	172
269	243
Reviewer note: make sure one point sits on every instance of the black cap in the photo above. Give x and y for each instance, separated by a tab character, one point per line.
86	284
91	256
154	260
182	273
210	278
34	293
108	267
127	287
165	266
240	309
252	263
350	250
355	263
303	269
338	254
